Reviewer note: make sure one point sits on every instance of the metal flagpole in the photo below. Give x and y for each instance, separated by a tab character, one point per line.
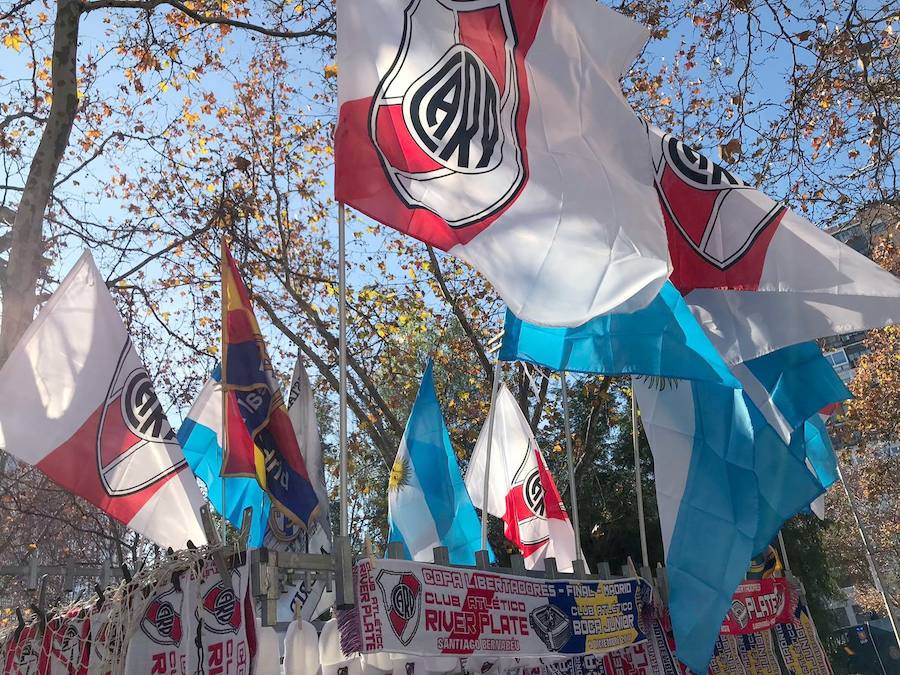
571	462
495	387
784	556
343	557
867	545
224	396
638	486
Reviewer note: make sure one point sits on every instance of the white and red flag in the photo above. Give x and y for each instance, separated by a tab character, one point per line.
497	130
521	490
79	405
758	276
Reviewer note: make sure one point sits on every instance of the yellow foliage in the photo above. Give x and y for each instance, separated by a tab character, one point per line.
13	41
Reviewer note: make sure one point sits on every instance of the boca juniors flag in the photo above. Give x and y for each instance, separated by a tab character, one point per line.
494	130
727	238
270	451
521	490
103	435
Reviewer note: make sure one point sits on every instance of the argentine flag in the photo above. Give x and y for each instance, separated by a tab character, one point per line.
201	436
663	339
428	504
726	480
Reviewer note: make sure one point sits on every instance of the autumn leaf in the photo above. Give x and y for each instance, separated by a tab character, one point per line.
13	41
331	70
731	150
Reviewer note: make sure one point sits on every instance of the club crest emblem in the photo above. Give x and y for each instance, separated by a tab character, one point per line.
221	608
531	505
401	593
162	620
712	217
447	119
136	446
282	528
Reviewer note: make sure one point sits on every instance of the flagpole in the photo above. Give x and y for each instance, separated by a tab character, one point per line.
870	557
224	392
569	459
342	366
343	557
638	486
495	387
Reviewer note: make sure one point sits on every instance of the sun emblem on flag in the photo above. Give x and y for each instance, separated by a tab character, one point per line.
399	477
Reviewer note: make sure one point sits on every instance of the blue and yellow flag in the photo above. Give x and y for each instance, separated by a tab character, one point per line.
266	447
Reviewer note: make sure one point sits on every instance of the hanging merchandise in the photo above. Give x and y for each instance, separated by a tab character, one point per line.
757	606
104	436
757	653
66	647
521	489
482	128
799	645
428	505
426	610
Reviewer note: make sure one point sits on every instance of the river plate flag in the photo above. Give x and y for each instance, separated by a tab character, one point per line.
270	452
497	130
521	490
428	505
79	405
758	276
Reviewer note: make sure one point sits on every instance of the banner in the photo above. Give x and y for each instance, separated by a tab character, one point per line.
726	660
759	605
66	645
757	652
415	608
799	645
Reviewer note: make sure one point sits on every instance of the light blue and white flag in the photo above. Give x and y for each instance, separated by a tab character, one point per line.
663	339
428	504
726	481
791	385
201	436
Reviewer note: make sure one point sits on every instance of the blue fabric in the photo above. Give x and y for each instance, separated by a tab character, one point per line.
203	451
435	483
743	483
662	339
799	380
820	451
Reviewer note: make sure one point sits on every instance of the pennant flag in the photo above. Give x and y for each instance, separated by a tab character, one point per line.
313	598
79	405
494	130
270	452
725	483
428	505
521	490
726	239
201	437
662	339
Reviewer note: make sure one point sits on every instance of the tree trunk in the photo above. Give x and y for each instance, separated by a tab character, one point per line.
26	250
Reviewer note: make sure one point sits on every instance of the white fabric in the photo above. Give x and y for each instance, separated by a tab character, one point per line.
413	517
268	659
301	649
302	413
74	363
812	286
514	458
585	236
330	655
377	664
672	430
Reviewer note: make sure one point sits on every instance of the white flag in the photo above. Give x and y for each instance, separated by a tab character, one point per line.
497	130
79	405
521	490
314	598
